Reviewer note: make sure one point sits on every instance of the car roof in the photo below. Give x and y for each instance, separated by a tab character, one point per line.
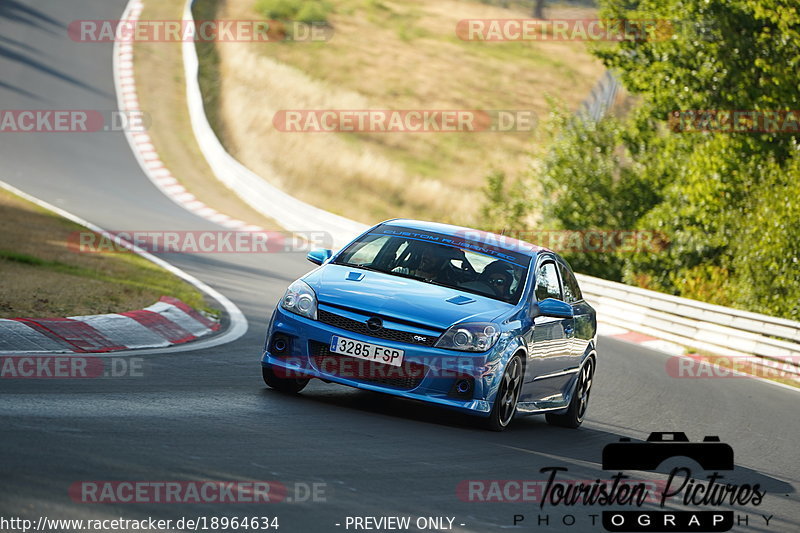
484	237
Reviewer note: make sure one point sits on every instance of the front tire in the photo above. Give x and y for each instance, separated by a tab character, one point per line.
287	385
580	400
505	403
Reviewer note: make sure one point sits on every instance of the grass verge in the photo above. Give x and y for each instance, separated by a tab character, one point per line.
43	277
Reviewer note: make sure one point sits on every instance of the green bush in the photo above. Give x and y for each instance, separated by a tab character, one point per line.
297	10
729	209
591	180
506	207
278	9
766	252
313	12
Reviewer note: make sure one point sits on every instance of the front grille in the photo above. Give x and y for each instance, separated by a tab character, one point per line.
405	377
339	321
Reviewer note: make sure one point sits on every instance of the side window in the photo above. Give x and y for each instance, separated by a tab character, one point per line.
547	285
572	292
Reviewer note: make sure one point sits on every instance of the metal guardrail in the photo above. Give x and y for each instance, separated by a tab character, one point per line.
712	328
600	100
687	322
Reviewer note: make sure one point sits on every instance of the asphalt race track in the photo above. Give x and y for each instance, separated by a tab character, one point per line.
206	414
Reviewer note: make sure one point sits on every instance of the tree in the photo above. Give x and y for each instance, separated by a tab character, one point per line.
538	9
727	201
712	55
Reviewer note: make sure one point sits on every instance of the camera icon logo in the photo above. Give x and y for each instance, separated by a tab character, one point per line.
710	454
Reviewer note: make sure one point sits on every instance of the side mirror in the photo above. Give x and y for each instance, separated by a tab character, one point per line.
553	308
319	256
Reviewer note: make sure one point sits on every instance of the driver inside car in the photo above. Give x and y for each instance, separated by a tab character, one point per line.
432	260
498	275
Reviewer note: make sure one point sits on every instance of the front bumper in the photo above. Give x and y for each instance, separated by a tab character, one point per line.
306	355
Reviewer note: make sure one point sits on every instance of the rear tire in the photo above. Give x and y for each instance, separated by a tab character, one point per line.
287	385
505	403
580	400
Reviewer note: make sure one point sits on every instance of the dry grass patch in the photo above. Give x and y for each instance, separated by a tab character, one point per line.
393	55
43	277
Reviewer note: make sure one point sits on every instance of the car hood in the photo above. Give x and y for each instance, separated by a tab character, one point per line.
401	298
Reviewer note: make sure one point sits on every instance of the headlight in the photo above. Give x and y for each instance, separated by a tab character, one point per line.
300	300
471	337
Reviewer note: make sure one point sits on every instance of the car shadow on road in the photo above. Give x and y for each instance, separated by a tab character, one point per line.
531	437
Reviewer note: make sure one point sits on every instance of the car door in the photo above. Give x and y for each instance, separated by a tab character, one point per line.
584	326
549	350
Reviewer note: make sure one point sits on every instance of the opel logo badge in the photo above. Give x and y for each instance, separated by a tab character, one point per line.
374	324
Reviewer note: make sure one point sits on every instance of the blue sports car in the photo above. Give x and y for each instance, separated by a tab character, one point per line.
456	317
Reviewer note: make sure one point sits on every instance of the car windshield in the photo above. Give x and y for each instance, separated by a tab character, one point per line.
440	260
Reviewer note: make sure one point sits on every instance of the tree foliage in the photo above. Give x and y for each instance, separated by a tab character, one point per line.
506	207
713	55
728	202
307	11
591	180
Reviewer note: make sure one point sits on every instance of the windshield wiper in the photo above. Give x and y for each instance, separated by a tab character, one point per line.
362	267
407	276
424	280
439	283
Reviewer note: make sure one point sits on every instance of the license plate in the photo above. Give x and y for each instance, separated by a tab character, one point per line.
366	351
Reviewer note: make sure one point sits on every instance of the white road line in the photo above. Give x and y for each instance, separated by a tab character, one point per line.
144	152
